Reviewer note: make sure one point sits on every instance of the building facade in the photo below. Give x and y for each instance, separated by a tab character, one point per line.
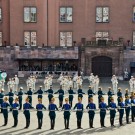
67	35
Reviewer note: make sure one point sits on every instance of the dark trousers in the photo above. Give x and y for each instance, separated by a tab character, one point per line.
112	120
40	119
79	123
102	118
60	103
15	120
5	114
70	102
52	123
27	117
40	122
127	114
10	102
20	103
121	117
66	122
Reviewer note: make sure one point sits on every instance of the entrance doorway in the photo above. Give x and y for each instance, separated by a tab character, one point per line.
102	66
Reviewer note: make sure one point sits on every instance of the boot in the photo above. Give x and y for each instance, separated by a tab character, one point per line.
92	123
51	125
80	124
41	122
28	123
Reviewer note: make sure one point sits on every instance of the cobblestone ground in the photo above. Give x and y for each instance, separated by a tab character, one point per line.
59	127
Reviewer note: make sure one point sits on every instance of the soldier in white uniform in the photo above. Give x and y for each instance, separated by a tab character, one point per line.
63	84
91	79
114	83
60	78
0	84
134	85
28	83
79	82
46	83
74	80
34	82
70	83
96	83
9	84
131	84
16	82
3	83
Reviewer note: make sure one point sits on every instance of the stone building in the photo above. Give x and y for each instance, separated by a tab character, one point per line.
67	35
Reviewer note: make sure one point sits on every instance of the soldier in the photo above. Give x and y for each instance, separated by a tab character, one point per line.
61	96
91	106
91	79
119	95
40	93
110	94
114	83
5	106
34	83
46	83
20	94
90	93
1	97
79	112
79	82
9	84
121	105
126	93
13	84
11	97
133	108
71	92
127	108
29	93
3	82
16	82
131	84
96	83
66	107
52	108
26	107
70	83
100	94
112	107
40	108
15	107
74	80
102	107
50	94
80	92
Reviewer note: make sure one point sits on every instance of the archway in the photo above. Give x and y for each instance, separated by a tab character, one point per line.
102	66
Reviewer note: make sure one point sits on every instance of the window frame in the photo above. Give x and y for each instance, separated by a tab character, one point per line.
102	14
2	38
102	34
1	15
133	38
29	16
30	31
66	11
66	40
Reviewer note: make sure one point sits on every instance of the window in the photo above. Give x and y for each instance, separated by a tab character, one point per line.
133	38
30	38
0	38
133	14
66	14
102	35
0	14
65	38
102	14
30	14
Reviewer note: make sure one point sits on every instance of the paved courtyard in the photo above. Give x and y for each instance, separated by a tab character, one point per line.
59	128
